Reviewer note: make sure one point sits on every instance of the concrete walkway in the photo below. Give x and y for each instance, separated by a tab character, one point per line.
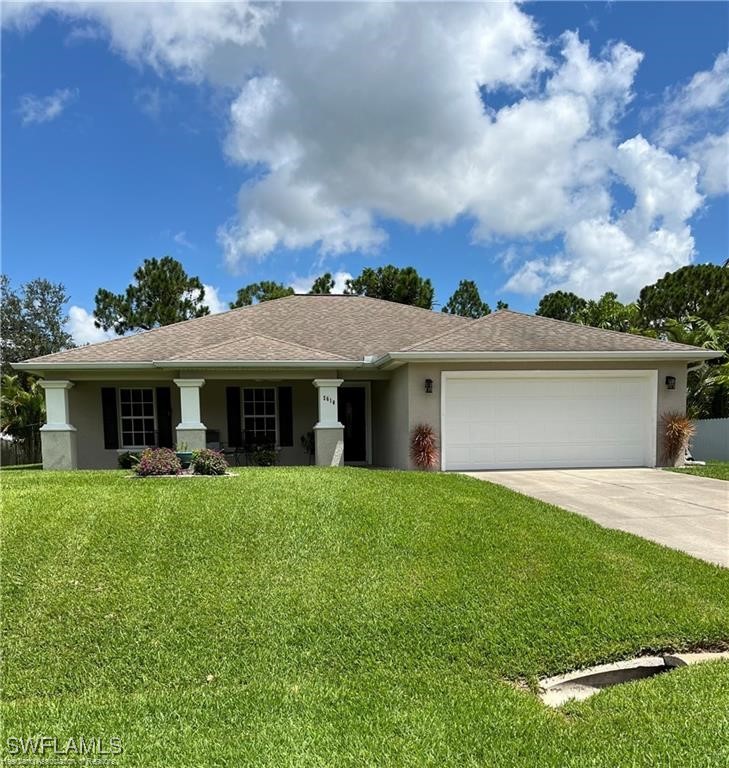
685	512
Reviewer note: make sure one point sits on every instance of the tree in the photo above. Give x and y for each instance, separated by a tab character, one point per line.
323	284
33	321
21	406
399	284
501	305
561	305
162	293
609	313
700	290
708	382
606	312
466	301
266	290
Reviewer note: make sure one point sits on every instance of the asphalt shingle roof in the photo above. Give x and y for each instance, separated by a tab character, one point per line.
508	331
349	328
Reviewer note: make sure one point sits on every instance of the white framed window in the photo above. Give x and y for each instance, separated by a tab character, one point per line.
137	417
259	416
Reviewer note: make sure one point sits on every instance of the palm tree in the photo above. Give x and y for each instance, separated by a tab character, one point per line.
708	383
20	408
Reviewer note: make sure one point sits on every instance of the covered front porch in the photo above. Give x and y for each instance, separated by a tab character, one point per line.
295	420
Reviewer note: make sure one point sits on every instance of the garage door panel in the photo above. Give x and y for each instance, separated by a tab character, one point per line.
546	421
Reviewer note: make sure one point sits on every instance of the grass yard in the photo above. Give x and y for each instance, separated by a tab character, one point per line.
309	617
719	470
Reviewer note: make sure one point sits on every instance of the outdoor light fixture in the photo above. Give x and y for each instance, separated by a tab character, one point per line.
429	386
670	382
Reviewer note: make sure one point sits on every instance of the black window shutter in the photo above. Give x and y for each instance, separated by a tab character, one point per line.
232	398
164	417
108	411
285	418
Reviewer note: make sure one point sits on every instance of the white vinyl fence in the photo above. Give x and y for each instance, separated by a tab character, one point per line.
711	441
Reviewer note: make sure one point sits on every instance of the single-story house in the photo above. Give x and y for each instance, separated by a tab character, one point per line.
345	379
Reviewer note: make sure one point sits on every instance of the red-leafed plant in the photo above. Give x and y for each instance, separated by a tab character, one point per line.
158	461
208	462
424	447
678	429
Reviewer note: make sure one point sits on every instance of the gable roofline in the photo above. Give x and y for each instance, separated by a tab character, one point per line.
330	356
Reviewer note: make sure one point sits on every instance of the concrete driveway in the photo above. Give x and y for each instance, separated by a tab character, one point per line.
685	512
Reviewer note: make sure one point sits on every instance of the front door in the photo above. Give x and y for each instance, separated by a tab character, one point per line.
352	414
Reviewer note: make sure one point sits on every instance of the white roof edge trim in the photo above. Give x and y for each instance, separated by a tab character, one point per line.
80	366
259	364
496	356
374	362
173	364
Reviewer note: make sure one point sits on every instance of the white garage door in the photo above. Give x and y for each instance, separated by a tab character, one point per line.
530	419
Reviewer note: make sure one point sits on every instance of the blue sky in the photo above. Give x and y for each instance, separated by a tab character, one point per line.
533	147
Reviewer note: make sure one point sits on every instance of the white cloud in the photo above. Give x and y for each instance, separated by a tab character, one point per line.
43	109
82	329
712	154
181	239
346	142
664	185
606	84
625	252
213	301
688	108
601	256
347	115
183	37
303	284
282	213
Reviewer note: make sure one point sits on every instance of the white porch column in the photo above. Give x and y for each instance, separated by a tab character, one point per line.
190	430
328	432
58	437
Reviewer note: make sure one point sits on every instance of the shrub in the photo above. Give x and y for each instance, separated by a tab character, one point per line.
128	459
678	429
158	461
262	456
424	447
208	462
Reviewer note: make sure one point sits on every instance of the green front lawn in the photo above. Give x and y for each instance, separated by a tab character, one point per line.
719	470
309	617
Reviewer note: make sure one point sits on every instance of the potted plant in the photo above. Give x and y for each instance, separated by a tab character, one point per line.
184	454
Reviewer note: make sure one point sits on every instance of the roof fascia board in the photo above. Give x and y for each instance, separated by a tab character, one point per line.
80	366
259	364
391	358
387	361
186	364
